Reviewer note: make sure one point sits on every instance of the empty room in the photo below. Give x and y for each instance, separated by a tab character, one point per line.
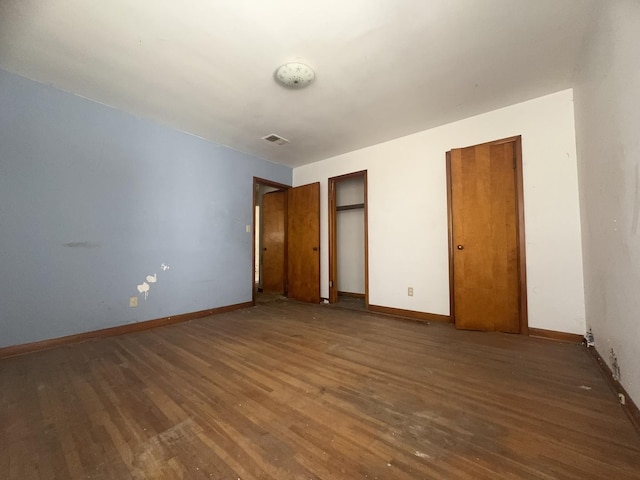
357	239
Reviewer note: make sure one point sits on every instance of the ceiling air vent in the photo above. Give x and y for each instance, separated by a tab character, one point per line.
273	138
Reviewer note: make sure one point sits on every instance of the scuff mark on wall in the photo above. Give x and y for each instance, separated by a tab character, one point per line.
164	267
636	202
82	245
152	278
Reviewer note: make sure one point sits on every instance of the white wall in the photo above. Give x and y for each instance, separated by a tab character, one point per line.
350	236
407	210
350	191
350	244
607	127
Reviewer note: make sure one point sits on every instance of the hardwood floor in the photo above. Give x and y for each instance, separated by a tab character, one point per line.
291	391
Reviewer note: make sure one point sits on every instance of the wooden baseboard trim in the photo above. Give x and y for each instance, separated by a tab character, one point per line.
25	348
554	335
412	314
350	294
629	407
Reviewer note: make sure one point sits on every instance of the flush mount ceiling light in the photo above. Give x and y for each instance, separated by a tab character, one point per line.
295	75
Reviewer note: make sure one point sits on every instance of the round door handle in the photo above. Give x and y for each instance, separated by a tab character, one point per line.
265	249
315	249
460	247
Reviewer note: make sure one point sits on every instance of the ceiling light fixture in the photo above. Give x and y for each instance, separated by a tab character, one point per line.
295	75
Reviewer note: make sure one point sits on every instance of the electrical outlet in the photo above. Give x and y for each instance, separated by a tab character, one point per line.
133	302
410	291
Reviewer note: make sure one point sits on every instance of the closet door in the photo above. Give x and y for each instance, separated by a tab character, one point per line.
485	240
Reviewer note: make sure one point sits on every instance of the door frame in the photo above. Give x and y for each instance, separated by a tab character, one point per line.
333	240
522	263
257	181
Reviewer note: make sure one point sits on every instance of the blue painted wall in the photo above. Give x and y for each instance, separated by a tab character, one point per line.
92	200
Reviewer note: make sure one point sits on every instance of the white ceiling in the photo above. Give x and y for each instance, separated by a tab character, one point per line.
385	68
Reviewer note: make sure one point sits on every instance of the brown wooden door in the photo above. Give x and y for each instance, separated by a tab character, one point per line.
303	243
485	238
273	231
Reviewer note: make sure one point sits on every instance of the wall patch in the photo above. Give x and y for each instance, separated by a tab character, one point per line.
144	288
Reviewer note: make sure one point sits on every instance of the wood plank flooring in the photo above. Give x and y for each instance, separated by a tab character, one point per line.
291	391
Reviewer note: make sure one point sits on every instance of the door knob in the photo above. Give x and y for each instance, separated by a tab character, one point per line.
315	249
460	247
265	249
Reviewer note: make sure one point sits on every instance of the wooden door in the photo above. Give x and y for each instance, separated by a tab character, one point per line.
485	237
273	231
303	243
